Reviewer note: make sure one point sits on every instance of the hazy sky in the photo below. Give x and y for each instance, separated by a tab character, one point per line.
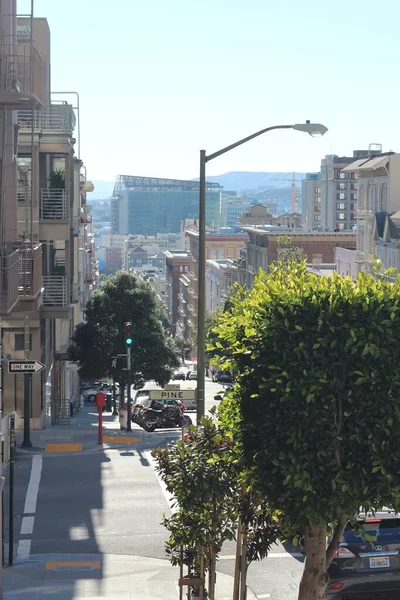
161	79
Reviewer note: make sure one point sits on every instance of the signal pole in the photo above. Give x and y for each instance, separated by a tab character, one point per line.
128	344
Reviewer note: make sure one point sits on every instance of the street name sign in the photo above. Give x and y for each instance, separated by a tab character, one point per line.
172	395
25	366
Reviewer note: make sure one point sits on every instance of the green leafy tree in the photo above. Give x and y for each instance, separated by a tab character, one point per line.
205	476
120	299
318	391
288	253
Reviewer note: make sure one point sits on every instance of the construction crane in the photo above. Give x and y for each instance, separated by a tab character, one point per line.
295	192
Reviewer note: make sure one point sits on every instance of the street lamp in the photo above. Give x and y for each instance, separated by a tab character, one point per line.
313	129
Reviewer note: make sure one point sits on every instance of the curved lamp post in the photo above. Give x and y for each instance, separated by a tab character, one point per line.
313	129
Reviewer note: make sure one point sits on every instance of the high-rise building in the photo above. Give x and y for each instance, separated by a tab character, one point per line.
48	263
147	205
231	209
329	198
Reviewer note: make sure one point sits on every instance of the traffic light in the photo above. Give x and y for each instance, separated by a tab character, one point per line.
128	334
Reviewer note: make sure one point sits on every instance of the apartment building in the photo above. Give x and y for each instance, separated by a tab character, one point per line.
378	178
48	257
259	215
219	279
329	198
221	244
177	264
262	249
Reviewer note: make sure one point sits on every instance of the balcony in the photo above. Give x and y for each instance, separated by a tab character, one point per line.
54	205
54	212
56	290
30	277
56	296
57	118
9	266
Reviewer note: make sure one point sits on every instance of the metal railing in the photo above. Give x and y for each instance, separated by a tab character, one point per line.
56	290
30	270
54	205
9	279
56	117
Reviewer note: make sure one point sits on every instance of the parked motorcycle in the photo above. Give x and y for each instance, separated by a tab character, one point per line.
163	417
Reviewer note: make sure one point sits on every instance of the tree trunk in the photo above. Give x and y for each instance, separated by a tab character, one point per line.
315	576
236	581
212	575
243	567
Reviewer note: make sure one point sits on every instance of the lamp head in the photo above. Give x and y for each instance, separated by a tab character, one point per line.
313	129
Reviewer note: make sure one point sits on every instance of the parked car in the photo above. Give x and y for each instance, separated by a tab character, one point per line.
367	563
179	376
222	377
192	376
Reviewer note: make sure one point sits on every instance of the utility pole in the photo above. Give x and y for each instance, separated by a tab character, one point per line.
27	387
128	344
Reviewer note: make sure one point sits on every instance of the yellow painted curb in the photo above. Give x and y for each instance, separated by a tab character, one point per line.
50	566
116	439
64	447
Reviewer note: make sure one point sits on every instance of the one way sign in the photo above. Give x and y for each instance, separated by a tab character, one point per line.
25	366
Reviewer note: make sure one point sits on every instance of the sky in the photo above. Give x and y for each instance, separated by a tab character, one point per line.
159	80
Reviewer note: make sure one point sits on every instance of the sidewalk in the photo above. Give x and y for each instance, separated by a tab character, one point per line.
98	576
95	576
81	435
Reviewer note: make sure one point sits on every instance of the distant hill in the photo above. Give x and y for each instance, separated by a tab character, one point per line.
248	180
102	190
234	180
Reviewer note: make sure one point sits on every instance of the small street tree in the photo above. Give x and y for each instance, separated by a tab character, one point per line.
288	253
318	390
205	475
122	298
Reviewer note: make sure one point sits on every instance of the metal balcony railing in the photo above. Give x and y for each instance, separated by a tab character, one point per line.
9	268
54	205
30	270
57	117
56	290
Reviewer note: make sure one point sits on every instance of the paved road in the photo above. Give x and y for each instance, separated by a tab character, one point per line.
111	502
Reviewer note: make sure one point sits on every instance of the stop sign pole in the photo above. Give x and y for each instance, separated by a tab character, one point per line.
100	402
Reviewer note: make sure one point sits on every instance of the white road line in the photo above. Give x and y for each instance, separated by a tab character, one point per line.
169	498
263	596
24	548
27	525
33	487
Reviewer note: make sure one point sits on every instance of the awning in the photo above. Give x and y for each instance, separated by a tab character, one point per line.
371	164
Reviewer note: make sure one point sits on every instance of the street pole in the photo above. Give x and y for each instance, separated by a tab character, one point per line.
11	493
27	388
115	412
201	307
313	129
129	412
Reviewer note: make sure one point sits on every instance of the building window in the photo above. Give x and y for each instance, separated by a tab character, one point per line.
317	190
342	186
340	216
340	206
340	226
19	342
317	217
342	175
317	199
354	196
317	208
341	196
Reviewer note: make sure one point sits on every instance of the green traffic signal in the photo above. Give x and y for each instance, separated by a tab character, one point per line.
128	341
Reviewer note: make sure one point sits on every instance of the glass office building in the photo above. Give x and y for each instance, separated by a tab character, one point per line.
149	206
